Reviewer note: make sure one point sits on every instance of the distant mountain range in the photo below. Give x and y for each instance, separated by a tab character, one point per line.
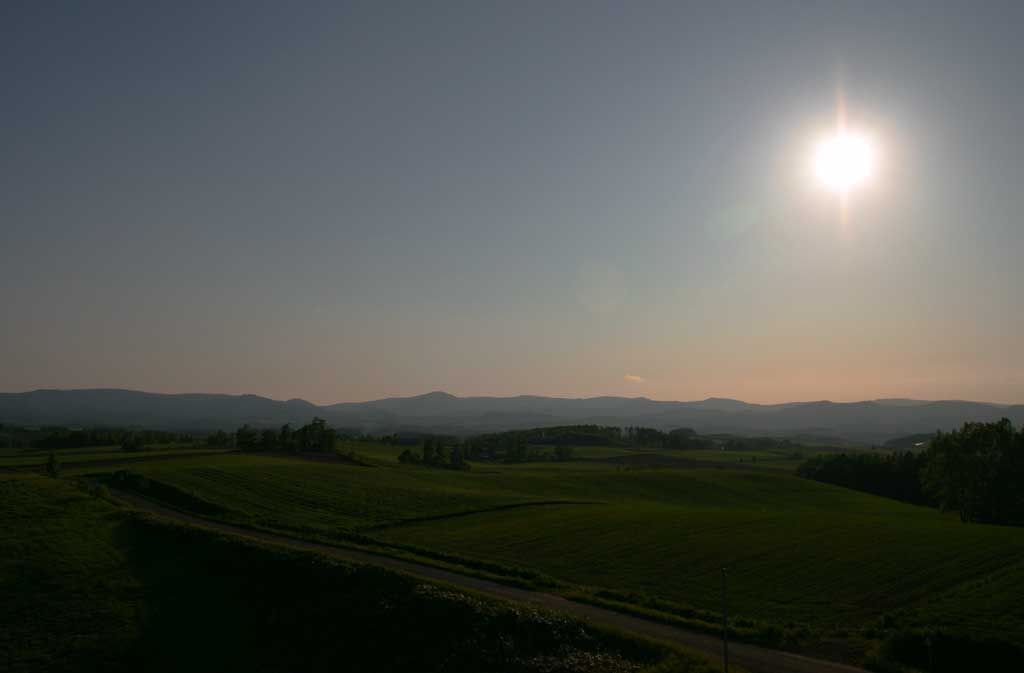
863	422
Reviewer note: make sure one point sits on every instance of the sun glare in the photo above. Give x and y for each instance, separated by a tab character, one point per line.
844	161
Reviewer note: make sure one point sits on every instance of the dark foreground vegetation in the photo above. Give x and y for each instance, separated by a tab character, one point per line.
87	587
976	471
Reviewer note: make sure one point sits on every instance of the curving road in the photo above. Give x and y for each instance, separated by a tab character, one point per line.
751	657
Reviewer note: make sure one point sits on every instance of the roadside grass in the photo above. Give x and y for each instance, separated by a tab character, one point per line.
85	585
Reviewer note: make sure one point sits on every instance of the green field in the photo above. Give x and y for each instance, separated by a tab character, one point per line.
811	566
27	457
815	562
85	585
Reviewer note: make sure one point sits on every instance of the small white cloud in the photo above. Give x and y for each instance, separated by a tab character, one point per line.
633	378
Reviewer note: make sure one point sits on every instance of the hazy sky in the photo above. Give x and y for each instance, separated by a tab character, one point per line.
343	201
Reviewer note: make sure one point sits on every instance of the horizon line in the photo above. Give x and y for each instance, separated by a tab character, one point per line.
552	397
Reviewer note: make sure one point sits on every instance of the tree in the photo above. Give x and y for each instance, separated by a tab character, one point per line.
440	453
246	438
896	475
132	441
458	459
316	436
53	465
518	452
219	439
976	471
286	439
327	440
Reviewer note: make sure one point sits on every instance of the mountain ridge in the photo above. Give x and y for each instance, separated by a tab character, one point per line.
868	421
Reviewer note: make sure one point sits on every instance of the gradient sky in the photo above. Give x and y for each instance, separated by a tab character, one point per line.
344	201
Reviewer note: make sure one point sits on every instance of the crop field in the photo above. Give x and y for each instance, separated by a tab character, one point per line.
825	569
299	495
84	585
22	457
799	553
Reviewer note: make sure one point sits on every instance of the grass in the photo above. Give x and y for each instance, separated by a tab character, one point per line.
66	592
27	457
831	569
817	562
85	585
298	495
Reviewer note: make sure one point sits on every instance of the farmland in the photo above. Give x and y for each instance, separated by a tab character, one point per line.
28	457
812	563
85	585
811	567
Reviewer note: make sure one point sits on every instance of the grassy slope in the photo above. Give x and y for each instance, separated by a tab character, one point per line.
798	551
65	592
85	586
326	498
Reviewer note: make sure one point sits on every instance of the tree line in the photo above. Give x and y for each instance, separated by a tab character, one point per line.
593	435
315	436
436	453
739	443
976	471
894	475
451	452
58	437
680	438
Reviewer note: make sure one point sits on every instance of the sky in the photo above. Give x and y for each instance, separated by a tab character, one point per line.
345	201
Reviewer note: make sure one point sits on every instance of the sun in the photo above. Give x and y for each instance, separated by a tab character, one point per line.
844	161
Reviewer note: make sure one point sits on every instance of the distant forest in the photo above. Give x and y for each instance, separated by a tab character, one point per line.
976	471
545	443
50	437
596	435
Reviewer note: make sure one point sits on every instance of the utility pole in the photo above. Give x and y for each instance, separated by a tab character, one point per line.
725	624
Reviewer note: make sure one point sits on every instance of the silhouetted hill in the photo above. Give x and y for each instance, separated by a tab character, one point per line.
870	421
196	411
